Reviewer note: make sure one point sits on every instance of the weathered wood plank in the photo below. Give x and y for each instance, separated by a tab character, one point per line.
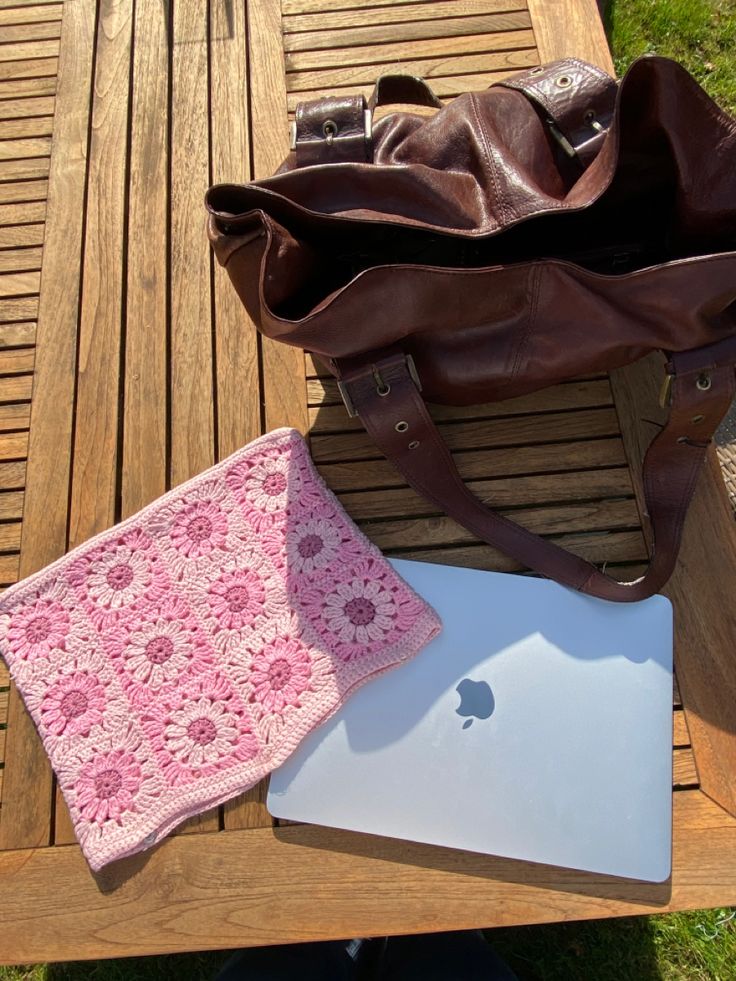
680	731
298	7
18	308
19	191
684	770
574	29
10	539
16	361
20	236
13	170
701	589
441	11
343	38
39	146
11	509
144	475
283	366
192	409
13	446
23	50
20	260
551	458
515	431
391	52
347	885
446	66
17	129
31	14
501	492
9	569
15	416
19	284
12	476
21	88
23	108
16	388
33	68
25	816
28	34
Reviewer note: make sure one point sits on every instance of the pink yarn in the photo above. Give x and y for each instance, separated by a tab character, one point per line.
175	660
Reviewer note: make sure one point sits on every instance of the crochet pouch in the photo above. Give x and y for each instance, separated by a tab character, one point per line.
175	660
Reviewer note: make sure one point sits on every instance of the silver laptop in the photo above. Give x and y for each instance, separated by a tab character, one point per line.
537	726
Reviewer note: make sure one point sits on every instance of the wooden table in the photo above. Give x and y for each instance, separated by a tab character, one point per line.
127	365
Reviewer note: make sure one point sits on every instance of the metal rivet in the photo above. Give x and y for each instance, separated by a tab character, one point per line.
414	444
682	439
401	427
564	81
536	71
696	419
329	128
703	383
383	390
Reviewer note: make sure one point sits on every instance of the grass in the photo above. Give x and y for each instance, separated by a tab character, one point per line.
700	946
700	34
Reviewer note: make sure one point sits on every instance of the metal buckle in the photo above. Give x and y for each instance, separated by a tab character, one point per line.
345	394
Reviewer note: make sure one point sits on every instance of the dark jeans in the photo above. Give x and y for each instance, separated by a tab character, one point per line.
461	956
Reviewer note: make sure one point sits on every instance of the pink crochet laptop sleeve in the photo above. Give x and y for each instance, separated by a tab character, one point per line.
175	660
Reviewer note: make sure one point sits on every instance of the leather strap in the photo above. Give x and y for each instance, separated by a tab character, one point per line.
340	130
577	101
702	383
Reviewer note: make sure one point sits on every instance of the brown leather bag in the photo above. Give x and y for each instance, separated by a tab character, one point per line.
554	225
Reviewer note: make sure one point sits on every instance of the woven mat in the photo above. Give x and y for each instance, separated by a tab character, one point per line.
726	448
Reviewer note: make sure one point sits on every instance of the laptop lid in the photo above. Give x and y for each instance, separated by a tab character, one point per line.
537	726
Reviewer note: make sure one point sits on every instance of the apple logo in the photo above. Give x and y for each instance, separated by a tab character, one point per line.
476	701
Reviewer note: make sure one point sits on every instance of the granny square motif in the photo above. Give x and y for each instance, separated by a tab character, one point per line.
175	660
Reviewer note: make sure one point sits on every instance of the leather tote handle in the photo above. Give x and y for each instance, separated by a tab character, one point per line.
702	382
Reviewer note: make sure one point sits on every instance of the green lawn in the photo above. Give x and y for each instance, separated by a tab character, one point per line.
680	947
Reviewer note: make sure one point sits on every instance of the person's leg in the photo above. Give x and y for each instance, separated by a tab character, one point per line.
328	961
461	956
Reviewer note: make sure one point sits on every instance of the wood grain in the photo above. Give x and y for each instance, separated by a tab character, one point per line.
344	38
35	126
11	170
28	33
22	191
572	29
20	260
30	15
20	88
144	476
283	366
12	475
15	416
701	590
240	889
25	816
17	284
32	68
442	11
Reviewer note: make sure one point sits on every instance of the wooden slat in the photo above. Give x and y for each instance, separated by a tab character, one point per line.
21	88
404	533
25	816
516	431
16	389
9	569
13	446
680	731
23	108
552	458
23	50
684	770
11	509
19	308
283	366
13	170
445	87
15	416
34	68
10	538
573	29
23	191
17	129
16	361
29	3
297	7
21	236
12	475
22	214
391	52
192	410
238	388
354	35
19	149
30	15
94	488
20	260
18	284
441	11
308	883
144	475
501	492
701	589
28	34
446	66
